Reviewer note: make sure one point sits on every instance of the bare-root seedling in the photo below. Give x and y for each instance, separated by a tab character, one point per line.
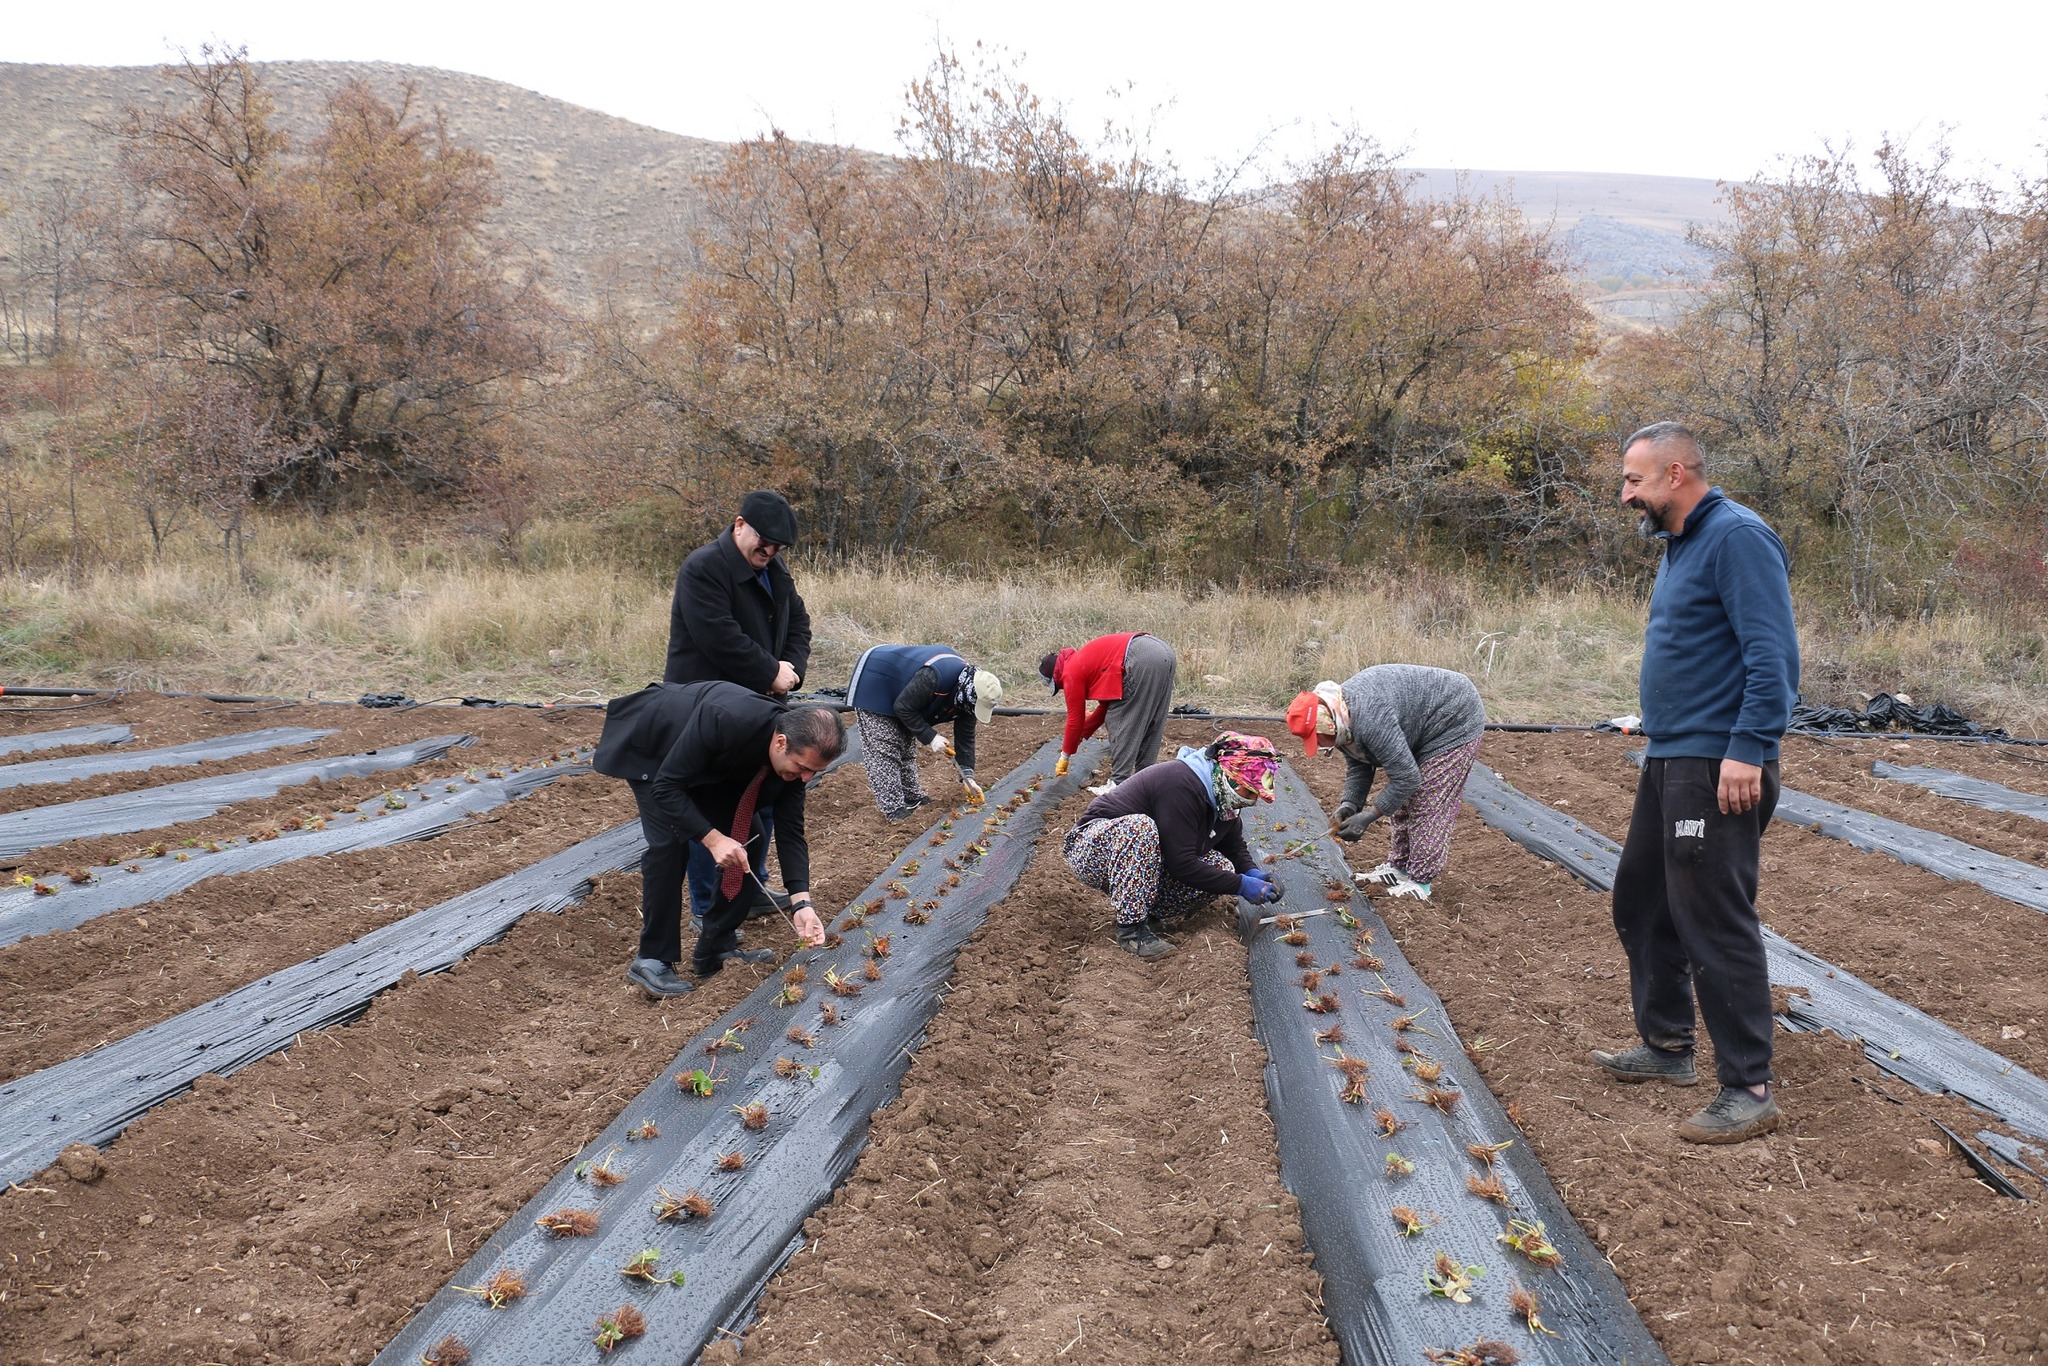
568	1223
801	1037
1397	1165
645	1129
599	1171
1325	1004
1366	962
729	1039
645	1265
754	1116
699	1081
732	1161
828	1014
1448	1279
616	1327
1389	1122
1485	1352
1426	1069
1304	959
1491	1188
1411	1221
917	915
871	971
449	1351
1527	1237
841	986
787	1068
504	1286
1294	938
1529	1310
797	975
1488	1152
1334	1034
670	1207
1437	1099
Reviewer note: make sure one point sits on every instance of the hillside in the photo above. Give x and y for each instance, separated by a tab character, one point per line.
582	188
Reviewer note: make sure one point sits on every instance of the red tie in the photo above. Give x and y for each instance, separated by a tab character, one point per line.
742	819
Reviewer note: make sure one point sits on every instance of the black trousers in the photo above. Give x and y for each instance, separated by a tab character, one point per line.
662	870
1685	908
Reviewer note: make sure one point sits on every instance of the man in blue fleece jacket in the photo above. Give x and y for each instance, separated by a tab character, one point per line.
1720	672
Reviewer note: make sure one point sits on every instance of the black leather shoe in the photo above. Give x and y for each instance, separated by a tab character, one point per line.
697	927
657	978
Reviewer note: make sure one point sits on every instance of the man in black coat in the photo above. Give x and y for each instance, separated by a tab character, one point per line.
737	618
707	762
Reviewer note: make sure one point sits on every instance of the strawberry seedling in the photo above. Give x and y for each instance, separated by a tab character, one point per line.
1397	1165
1485	1352
568	1223
1311	979
917	915
787	1068
1304	959
1294	938
1489	1189
754	1116
729	1039
1325	1004
672	1208
732	1161
1410	1221
1426	1069
1437	1099
878	946
1487	1152
1389	1122
1446	1279
619	1325
1527	1237
801	1037
789	996
599	1171
449	1351
646	1128
1366	962
1526	1307
841	986
504	1286
828	1014
871	970
699	1082
1334	1034
645	1265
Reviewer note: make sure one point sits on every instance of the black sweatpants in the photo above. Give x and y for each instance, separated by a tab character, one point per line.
1685	908
661	894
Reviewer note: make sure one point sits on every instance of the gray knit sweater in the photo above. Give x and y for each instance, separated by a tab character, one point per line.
1401	715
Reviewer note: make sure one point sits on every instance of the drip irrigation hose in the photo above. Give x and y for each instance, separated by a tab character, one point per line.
818	1106
1335	1152
1906	1043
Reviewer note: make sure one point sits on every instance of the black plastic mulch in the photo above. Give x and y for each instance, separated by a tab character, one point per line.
1333	1154
417	811
123	813
93	1097
1888	714
34	740
816	1123
1976	791
130	760
1907	1043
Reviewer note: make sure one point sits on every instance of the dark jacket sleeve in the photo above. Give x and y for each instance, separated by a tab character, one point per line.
1230	843
791	849
1183	819
797	650
963	741
917	695
688	758
704	610
1751	573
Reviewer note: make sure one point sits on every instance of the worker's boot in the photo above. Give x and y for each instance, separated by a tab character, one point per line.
1140	940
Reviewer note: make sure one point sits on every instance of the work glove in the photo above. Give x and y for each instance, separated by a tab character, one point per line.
1345	811
975	796
1256	889
937	745
1059	770
1352	827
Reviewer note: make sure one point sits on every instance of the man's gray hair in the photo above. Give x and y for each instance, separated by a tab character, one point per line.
1671	433
813	728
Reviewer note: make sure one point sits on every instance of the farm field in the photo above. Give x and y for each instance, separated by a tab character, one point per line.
1081	1166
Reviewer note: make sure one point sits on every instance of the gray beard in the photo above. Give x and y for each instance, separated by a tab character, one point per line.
1647	526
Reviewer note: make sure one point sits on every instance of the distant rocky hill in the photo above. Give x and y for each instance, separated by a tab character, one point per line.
583	190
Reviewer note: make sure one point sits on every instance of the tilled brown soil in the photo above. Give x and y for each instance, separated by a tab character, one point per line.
1055	1184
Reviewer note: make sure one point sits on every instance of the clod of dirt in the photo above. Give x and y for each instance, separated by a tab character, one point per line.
83	1163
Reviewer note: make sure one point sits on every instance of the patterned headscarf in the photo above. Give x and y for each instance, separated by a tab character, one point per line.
1245	766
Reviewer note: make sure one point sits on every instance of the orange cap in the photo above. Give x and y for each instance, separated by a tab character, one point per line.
1301	719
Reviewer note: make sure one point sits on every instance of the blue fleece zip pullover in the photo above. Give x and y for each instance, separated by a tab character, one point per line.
1720	655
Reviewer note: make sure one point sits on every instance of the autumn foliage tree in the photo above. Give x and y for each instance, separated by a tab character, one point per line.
1078	347
350	290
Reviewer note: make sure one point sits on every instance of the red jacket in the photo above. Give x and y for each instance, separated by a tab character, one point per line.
1093	673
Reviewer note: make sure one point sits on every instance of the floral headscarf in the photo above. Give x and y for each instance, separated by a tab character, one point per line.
1245	766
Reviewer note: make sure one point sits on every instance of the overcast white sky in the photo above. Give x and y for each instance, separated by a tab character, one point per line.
1708	90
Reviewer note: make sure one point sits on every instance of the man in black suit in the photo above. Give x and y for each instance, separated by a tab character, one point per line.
708	762
738	618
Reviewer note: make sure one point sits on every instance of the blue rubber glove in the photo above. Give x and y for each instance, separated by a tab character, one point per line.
1256	889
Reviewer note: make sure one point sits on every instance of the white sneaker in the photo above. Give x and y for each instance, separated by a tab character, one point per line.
1104	789
1407	886
1384	875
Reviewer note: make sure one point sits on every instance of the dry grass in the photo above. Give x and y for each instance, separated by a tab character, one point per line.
337	609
